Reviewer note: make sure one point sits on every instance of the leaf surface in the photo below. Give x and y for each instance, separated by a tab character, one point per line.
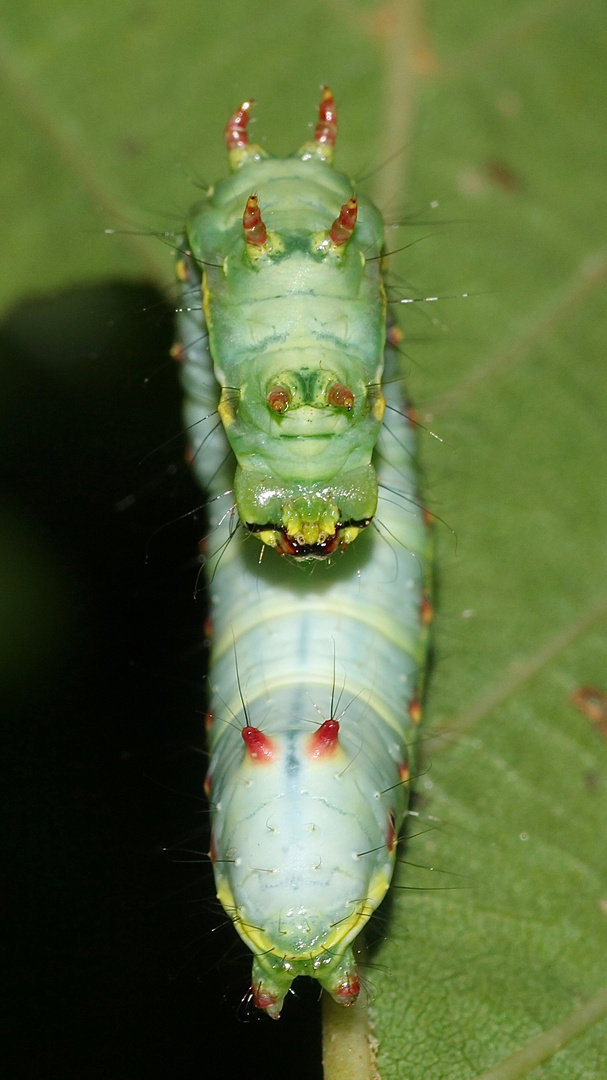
105	116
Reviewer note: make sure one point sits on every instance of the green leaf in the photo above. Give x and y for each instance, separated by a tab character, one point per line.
514	793
105	114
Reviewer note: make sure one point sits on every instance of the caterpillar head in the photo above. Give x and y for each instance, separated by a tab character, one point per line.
306	520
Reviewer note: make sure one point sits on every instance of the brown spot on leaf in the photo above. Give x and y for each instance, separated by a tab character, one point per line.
503	176
592	702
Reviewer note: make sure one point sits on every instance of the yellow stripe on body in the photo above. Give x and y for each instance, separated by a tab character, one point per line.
271	614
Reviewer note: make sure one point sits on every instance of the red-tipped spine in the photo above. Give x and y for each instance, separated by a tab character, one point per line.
325	132
324	739
341	396
343	226
236	128
255	232
260	748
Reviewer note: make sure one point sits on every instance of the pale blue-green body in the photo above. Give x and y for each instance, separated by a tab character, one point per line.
304	847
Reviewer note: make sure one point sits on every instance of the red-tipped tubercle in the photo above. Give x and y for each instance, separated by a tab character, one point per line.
279	399
260	748
254	229
325	132
343	226
341	396
426	611
324	739
415	710
264	1000
348	991
236	127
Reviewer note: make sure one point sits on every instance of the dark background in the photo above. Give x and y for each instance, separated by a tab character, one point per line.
121	964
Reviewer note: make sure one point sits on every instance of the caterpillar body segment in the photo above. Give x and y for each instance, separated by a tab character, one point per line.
294	306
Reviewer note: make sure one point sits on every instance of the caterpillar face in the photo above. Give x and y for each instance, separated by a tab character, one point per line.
294	308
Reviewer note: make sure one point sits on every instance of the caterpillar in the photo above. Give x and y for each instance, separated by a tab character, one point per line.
316	667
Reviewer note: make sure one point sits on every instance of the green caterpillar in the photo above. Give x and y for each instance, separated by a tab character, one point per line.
306	808
295	310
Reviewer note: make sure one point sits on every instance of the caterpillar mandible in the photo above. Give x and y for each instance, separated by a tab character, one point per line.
306	808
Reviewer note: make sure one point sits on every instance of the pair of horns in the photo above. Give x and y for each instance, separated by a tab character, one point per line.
239	150
325	132
256	234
